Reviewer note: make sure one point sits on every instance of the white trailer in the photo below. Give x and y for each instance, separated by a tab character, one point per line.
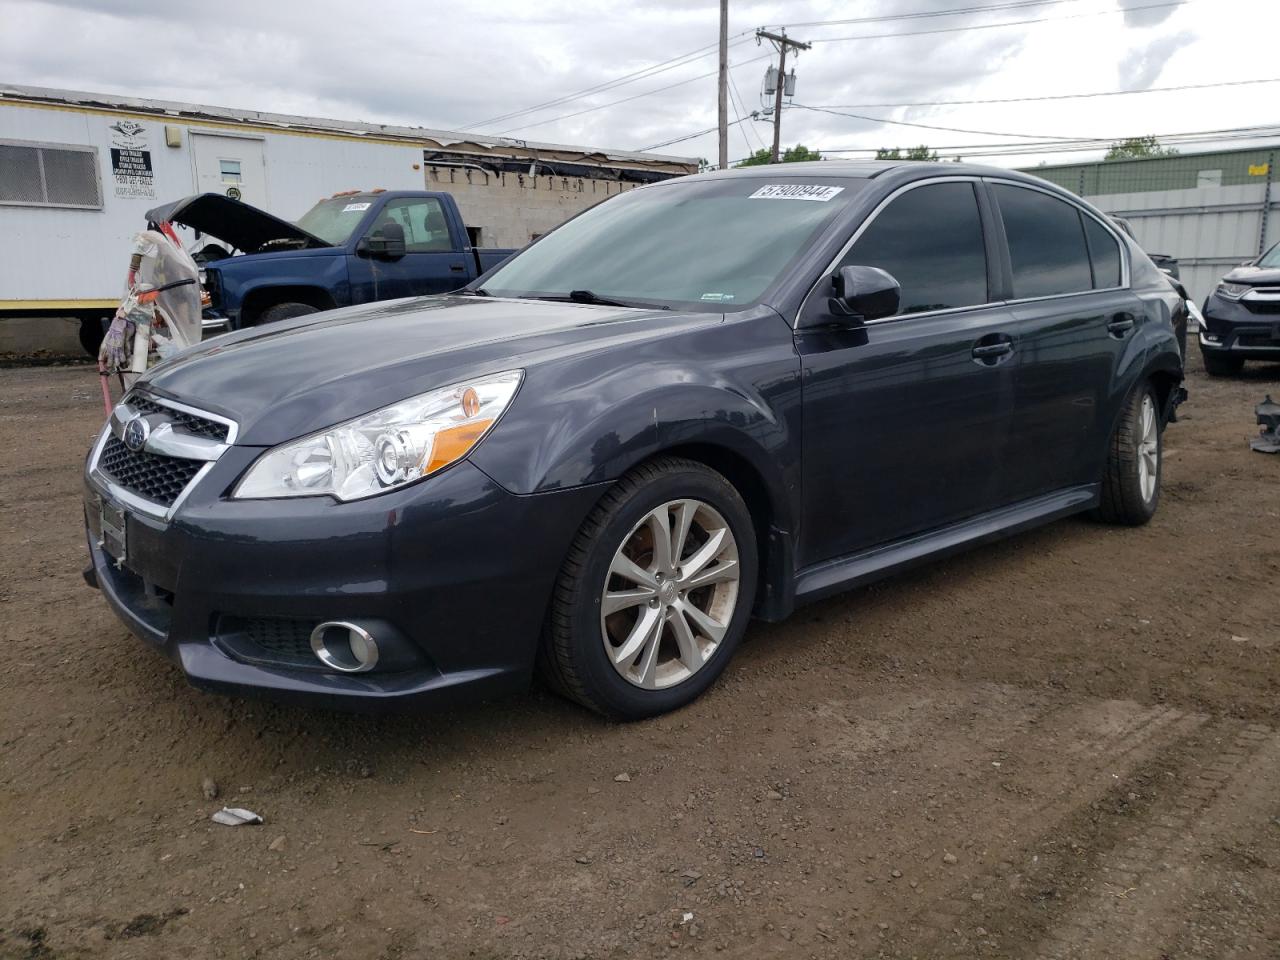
78	171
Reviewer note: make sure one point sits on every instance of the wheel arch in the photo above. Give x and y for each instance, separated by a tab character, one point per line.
260	299
769	515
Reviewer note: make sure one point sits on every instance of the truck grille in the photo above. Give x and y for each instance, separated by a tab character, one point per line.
153	477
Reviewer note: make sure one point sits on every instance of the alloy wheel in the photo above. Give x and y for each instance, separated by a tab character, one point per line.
1148	449
670	594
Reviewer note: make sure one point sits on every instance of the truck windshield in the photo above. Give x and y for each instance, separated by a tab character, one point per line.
1271	258
333	220
700	244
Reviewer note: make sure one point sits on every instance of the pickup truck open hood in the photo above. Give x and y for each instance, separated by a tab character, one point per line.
294	377
243	226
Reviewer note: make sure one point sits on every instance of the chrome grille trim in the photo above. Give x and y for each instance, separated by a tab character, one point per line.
168	444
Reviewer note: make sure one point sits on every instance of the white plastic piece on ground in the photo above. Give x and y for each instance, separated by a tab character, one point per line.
236	817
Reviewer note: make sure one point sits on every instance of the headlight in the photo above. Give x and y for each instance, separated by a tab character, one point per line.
386	449
1233	291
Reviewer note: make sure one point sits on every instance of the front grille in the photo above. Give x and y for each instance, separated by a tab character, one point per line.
1257	340
1262	306
270	640
180	418
151	476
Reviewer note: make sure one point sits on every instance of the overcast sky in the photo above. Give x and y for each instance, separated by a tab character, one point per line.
452	65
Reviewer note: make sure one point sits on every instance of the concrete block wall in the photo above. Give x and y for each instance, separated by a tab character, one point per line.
510	209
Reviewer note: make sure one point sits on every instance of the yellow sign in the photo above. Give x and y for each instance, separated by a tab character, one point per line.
1259	170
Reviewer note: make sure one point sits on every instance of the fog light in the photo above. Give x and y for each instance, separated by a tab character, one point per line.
345	647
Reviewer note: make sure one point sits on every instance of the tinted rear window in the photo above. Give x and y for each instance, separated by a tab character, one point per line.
1104	252
930	240
1046	243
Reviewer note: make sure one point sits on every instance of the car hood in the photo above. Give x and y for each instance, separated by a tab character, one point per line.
1254	276
297	376
243	226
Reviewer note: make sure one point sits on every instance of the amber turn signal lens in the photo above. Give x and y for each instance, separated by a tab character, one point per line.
453	443
470	402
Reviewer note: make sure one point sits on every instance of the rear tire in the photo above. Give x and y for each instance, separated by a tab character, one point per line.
1135	459
284	311
1219	366
675	613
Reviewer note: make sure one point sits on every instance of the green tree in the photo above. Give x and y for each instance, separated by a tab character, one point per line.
790	155
921	152
1138	148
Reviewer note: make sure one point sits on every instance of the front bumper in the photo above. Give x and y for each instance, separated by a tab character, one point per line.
453	574
1232	328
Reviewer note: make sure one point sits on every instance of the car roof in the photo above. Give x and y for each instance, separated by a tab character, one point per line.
867	170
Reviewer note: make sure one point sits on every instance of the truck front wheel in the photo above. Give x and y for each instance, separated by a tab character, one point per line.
92	330
284	311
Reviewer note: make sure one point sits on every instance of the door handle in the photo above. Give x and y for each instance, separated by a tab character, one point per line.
457	267
1120	324
993	352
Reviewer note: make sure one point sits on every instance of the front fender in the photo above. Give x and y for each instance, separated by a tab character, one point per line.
732	387
261	273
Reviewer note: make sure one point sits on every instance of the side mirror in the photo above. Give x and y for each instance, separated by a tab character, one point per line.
864	293
385	243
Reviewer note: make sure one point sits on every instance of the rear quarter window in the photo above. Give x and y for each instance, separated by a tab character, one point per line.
1104	254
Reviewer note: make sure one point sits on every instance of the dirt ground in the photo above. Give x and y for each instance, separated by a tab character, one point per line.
1065	745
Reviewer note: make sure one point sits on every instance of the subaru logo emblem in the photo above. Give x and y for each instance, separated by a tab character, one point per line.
136	432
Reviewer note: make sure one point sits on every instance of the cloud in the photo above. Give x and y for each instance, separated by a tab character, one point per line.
447	65
1144	18
1142	67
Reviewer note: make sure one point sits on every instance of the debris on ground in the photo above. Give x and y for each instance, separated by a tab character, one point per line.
1268	438
236	817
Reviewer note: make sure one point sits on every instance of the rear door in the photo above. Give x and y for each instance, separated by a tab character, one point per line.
906	418
1074	312
434	259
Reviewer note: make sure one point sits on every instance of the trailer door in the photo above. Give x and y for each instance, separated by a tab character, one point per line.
230	165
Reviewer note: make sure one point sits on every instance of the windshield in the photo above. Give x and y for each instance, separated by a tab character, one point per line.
715	244
1271	258
333	220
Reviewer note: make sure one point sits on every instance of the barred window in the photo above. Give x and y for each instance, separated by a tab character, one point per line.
47	175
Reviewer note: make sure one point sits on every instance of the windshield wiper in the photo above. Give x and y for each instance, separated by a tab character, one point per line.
477	292
589	296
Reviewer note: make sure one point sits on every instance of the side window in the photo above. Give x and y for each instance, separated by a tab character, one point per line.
425	228
1104	253
930	240
1046	243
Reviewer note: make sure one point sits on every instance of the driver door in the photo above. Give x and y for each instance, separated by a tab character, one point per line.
906	418
433	260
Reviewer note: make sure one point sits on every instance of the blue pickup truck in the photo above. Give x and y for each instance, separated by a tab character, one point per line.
351	248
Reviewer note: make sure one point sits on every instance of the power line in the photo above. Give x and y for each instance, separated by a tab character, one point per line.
643	73
930	126
614	103
741	37
1054	146
743	104
1003	23
1057	96
928	14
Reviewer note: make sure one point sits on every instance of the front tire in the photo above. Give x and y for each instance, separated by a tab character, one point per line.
1219	366
655	594
285	311
1135	461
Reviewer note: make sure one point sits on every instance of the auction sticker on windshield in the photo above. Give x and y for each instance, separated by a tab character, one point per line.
795	191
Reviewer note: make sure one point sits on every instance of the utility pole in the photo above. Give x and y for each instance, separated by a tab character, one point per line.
724	84
783	42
